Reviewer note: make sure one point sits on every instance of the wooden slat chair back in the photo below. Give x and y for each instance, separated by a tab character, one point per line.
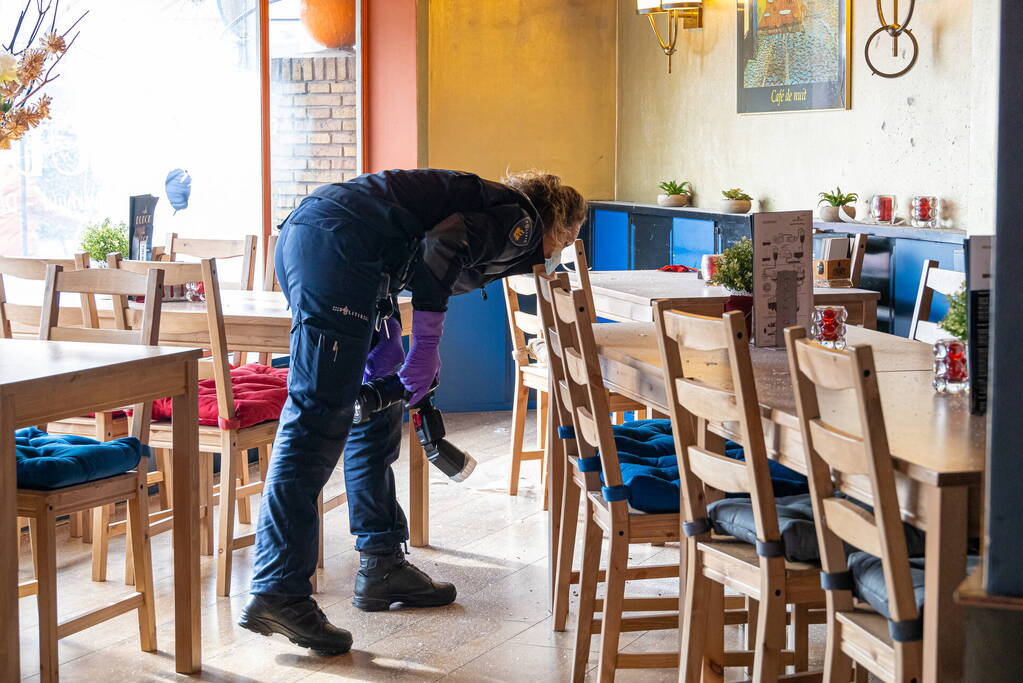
530	375
199	248
43	507
23	318
932	279
270	281
709	379
855	632
857	254
575	263
228	438
581	388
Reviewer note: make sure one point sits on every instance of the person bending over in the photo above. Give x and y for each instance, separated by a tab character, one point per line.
342	257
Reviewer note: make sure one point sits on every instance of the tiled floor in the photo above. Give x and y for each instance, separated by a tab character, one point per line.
490	545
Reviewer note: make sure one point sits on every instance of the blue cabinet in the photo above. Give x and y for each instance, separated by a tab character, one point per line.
609	240
690	240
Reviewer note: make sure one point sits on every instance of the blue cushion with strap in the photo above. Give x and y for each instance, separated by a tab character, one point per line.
646	453
47	462
733	516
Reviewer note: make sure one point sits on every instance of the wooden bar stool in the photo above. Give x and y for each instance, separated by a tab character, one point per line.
889	645
932	279
607	507
708	377
43	507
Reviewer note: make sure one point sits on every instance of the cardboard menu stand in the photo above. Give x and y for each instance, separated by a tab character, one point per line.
978	316
140	226
782	274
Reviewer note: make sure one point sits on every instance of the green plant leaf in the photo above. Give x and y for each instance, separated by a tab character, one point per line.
675	187
106	237
735	267
955	322
737	194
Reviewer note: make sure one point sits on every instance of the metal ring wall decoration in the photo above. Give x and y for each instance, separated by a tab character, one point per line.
894	30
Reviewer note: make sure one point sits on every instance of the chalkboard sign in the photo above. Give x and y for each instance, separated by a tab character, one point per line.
140	226
978	315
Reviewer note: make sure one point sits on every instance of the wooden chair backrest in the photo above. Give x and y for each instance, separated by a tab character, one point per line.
209	331
561	400
573	258
270	282
857	252
244	248
831	451
708	376
520	324
583	391
23	318
932	279
88	282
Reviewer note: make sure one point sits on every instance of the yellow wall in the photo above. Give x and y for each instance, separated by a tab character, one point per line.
522	83
930	131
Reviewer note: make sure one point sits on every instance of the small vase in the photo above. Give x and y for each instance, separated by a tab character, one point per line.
736	205
673	199
829	214
741	301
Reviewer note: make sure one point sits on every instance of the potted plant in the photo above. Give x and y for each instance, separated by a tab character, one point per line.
106	237
736	201
835	201
735	273
675	193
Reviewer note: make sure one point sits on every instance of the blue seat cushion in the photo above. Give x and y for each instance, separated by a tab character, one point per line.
868	580
646	454
733	516
46	462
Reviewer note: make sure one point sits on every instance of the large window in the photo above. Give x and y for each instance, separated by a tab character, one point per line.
156	85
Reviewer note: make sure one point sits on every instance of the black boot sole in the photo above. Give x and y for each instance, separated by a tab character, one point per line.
382	604
266	627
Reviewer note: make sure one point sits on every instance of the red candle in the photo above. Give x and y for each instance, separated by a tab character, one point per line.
883	206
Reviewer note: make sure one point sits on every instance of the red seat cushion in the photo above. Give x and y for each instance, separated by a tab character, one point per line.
259	395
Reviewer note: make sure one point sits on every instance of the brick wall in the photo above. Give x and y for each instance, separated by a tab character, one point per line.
313	126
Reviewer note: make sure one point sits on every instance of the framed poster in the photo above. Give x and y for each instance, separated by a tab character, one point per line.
793	55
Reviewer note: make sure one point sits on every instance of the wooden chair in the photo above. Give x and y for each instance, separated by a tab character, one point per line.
857	253
270	283
583	392
855	632
708	377
244	248
43	507
23	320
932	279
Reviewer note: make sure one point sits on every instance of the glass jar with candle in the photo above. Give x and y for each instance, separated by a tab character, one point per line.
827	326
924	211
882	208
951	370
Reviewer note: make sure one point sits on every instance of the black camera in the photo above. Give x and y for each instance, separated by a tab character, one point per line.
384	392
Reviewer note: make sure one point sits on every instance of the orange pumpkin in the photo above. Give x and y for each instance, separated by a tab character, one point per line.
331	23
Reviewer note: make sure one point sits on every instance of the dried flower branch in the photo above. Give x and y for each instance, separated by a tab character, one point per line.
26	71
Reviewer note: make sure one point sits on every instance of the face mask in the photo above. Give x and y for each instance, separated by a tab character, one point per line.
551	264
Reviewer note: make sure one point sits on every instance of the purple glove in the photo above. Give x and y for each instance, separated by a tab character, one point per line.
387	354
423	361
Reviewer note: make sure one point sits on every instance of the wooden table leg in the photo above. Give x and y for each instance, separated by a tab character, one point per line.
947	515
870	314
11	667
185	469
419	491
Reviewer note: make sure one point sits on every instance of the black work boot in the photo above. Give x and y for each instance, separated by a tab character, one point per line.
300	620
386	577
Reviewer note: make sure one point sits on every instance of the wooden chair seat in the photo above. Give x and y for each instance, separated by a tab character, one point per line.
535	376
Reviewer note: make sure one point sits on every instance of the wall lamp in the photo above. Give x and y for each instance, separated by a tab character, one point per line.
688	12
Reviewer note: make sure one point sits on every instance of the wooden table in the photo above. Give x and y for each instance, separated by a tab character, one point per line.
938	445
43	381
626	295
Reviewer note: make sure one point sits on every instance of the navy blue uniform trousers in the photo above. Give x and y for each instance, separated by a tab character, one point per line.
330	270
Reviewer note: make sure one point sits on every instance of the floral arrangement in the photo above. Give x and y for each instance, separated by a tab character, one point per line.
26	70
735	268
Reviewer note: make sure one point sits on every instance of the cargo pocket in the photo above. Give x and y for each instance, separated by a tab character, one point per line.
326	366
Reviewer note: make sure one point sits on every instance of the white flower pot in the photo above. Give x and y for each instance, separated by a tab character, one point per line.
736	205
829	214
673	199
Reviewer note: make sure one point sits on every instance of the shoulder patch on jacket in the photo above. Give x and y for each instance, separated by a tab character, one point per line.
521	232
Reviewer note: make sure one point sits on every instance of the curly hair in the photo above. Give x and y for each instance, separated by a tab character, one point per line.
561	207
